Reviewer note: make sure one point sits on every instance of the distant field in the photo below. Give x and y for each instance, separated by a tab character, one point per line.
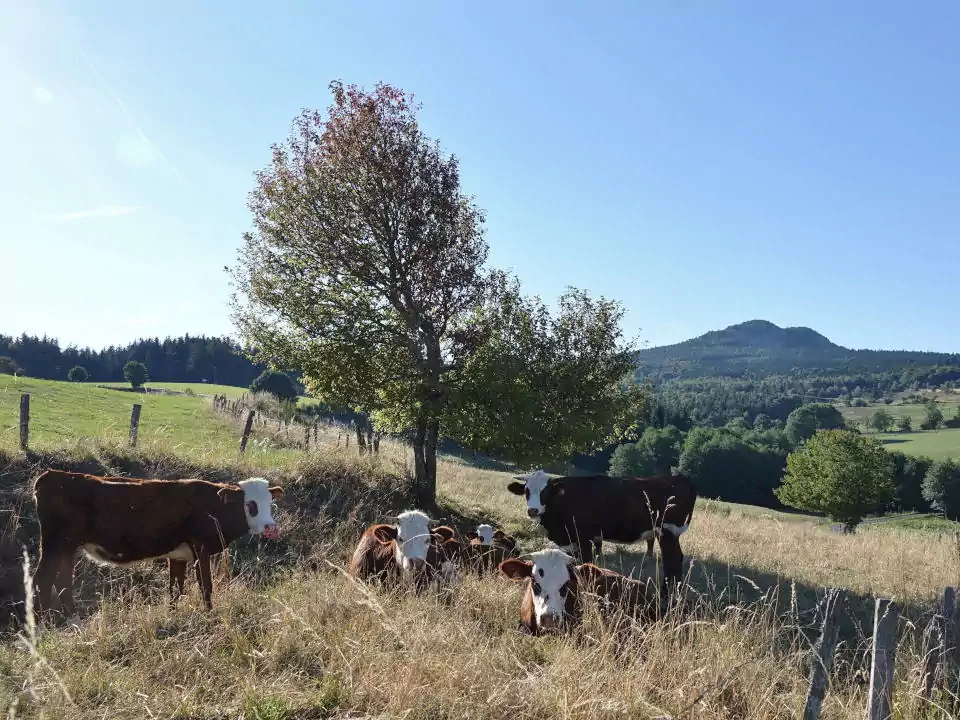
198	388
937	444
915	412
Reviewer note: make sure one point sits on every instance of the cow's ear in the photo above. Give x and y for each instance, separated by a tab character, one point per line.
226	494
517	488
473	535
385	533
444	532
504	538
276	492
516	569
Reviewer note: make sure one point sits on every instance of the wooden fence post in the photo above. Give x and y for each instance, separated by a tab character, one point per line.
885	619
821	658
246	431
316	422
938	645
24	421
134	425
306	437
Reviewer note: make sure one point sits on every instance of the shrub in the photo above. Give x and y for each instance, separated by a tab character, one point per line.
135	373
78	373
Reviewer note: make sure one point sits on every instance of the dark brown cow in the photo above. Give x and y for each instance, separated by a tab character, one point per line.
409	548
579	512
121	521
488	548
557	590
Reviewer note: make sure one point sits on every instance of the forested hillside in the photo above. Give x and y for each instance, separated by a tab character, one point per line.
183	359
758	349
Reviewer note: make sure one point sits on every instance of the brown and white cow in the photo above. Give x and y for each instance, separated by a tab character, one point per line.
488	547
122	521
558	588
579	512
407	548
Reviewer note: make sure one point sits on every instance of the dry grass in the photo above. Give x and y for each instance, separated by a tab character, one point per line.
290	637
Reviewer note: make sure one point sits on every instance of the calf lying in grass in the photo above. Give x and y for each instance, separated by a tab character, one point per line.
487	548
408	549
557	589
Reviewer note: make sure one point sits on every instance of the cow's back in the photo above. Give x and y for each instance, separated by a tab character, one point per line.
136	518
621	509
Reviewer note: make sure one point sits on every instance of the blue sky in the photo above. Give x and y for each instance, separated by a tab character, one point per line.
703	162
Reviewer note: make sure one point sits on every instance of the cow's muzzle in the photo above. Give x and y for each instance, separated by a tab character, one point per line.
272	532
549	621
533	512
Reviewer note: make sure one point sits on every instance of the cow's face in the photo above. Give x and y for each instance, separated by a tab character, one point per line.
413	539
551	583
258	499
532	487
485	533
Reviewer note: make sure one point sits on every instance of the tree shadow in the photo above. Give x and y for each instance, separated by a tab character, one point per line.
722	584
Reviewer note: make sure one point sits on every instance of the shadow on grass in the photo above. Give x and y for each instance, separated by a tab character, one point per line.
722	584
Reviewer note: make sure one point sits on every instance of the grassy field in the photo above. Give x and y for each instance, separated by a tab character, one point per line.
291	637
936	444
208	389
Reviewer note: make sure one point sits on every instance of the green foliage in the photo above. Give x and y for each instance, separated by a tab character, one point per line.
934	416
738	467
8	366
78	373
905	424
908	476
656	452
135	373
839	473
941	488
541	386
882	420
807	419
278	384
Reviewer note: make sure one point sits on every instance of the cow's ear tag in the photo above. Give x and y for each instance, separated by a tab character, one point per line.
560	491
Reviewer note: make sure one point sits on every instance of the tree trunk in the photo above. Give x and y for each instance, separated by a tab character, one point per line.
429	488
419	462
361	444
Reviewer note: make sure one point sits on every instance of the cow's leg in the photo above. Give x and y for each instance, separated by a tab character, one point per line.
650	541
64	583
43	579
204	579
598	547
672	558
178	574
585	551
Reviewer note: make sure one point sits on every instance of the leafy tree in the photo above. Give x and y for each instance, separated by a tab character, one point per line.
78	373
726	465
934	417
807	419
656	452
8	366
905	424
135	373
540	387
763	422
365	269
839	473
908	476
882	420
941	488
278	384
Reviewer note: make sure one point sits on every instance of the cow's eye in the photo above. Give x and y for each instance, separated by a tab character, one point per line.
526	492
536	588
252	508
